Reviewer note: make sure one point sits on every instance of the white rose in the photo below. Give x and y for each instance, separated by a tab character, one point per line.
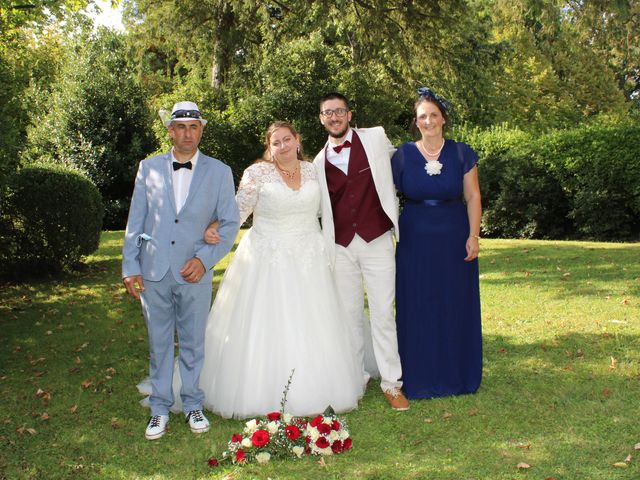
286	418
433	167
313	433
344	434
333	436
298	451
252	426
246	442
263	457
272	427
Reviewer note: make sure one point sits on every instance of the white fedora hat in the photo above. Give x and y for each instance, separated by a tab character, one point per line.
185	112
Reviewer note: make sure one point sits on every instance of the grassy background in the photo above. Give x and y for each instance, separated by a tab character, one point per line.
560	391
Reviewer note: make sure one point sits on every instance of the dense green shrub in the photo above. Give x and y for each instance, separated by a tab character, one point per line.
50	217
599	167
577	183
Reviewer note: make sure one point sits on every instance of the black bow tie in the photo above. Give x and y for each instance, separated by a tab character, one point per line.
178	165
346	144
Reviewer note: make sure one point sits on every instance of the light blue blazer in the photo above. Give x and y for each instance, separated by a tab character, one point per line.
177	237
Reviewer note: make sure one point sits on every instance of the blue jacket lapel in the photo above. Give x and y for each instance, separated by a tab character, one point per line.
199	173
167	173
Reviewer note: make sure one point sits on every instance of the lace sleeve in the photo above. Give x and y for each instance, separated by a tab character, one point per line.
247	195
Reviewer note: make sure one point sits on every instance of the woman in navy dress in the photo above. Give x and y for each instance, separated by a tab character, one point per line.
437	291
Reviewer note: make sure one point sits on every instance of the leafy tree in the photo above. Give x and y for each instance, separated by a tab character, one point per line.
97	119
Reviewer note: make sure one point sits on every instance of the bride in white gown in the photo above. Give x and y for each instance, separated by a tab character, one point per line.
277	309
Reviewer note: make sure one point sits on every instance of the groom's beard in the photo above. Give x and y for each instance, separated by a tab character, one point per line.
340	134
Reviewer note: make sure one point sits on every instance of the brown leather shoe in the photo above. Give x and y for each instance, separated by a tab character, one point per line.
396	399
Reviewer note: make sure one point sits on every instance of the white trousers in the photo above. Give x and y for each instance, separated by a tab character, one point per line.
371	266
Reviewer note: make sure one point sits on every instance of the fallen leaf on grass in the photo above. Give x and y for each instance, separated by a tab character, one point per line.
447	415
428	420
77	360
566	274
44	416
523	466
625	301
111	371
87	383
81	347
614	364
502	350
114	423
322	463
524	446
48	332
23	430
46	396
38	374
73	409
473	412
620	465
636	446
606	392
550	478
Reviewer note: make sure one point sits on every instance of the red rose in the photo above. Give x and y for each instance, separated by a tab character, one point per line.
336	447
260	438
240	456
316	421
346	444
307	439
212	462
273	416
293	432
236	437
335	425
322	442
324	429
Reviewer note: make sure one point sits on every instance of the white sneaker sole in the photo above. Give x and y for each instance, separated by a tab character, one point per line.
156	436
200	430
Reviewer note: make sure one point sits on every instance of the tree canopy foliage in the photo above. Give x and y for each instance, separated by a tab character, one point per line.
84	95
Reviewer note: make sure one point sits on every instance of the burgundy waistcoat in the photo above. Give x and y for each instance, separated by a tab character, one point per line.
354	200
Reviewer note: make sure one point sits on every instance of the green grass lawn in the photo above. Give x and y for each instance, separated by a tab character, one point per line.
560	391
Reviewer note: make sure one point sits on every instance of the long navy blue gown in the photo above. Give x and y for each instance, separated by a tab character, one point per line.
437	292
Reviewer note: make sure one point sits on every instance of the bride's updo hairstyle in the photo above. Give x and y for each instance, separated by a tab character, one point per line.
266	156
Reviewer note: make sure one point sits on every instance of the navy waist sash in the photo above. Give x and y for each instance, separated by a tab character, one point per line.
433	202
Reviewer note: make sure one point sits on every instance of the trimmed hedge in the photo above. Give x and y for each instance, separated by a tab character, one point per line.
578	183
50	217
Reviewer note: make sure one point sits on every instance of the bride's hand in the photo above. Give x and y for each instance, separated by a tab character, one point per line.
211	234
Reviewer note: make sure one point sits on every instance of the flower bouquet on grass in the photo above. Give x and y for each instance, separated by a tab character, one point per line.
281	435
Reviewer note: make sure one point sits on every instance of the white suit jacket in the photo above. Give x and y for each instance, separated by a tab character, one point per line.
379	150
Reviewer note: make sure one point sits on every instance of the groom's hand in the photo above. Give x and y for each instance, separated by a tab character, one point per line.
193	270
130	284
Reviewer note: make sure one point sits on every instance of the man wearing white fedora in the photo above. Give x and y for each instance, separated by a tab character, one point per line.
167	264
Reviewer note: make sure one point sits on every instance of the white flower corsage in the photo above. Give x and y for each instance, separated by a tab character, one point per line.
433	167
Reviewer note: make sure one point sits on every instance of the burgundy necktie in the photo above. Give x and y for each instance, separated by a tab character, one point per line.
338	148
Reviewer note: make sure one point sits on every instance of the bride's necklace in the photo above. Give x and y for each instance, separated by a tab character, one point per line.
434	154
288	174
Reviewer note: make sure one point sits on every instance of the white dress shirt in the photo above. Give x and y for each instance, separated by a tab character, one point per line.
182	180
340	160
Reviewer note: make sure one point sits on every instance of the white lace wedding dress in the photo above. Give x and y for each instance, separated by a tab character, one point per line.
277	310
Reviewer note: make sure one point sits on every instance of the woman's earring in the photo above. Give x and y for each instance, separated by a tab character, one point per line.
298	150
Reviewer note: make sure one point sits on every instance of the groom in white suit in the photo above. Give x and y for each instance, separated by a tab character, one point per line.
168	265
359	216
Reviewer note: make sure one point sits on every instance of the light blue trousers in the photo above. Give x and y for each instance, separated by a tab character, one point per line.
169	306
